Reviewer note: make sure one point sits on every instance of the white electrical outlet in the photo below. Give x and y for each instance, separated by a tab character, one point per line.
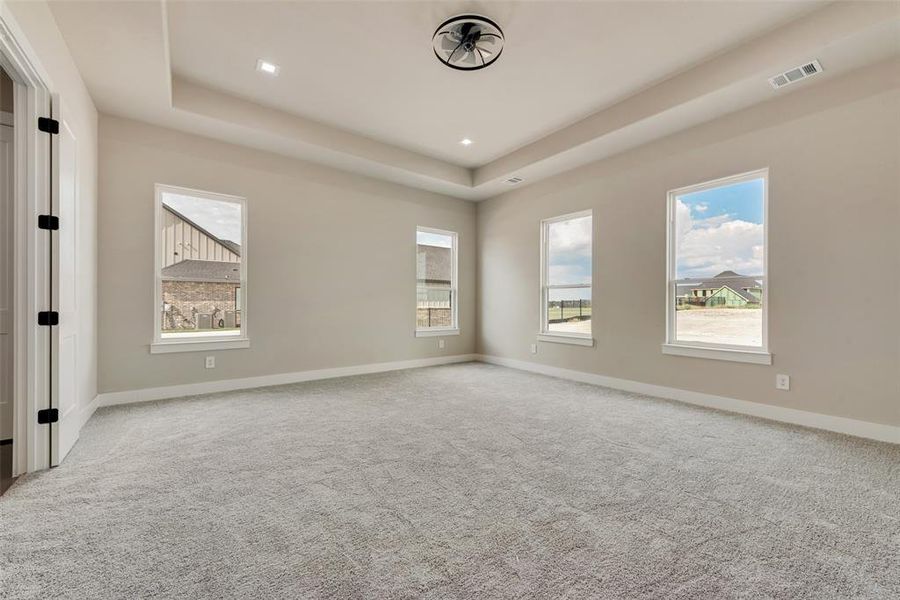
440	343
210	362
534	348
783	382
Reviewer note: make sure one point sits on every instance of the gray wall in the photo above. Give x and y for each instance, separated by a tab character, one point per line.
338	251
834	267
332	260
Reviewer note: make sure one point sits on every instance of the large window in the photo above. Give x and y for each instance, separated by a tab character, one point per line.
566	273
201	270
717	269
436	297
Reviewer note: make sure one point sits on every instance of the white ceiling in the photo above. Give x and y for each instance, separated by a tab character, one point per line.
360	89
368	66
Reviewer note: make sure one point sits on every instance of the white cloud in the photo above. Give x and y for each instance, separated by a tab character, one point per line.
571	237
711	221
572	273
222	219
570	251
701	208
427	238
707	247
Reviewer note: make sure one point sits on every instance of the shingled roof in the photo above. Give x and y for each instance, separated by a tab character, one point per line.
734	281
203	270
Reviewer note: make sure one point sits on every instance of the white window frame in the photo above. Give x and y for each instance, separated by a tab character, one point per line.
454	284
730	352
207	342
545	335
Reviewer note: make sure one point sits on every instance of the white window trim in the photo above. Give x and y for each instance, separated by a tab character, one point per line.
566	338
544	334
161	345
728	352
454	285
437	332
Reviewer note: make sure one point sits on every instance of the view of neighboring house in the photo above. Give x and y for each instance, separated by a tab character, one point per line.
434	268
727	289
201	276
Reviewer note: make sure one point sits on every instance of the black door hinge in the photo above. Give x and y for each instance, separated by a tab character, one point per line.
50	222
48	415
48	125
48	318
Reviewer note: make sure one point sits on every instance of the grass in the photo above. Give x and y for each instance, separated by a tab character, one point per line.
569	312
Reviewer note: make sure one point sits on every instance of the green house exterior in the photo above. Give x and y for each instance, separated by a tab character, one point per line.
727	297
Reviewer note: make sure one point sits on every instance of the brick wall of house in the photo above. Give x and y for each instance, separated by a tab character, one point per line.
433	317
187	299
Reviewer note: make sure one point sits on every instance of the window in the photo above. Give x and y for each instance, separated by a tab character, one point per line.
436	297
566	275
717	279
201	271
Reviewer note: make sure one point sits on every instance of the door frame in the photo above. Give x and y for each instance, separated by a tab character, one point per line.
31	252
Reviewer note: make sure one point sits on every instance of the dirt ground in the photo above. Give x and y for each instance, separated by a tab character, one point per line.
571	327
739	326
742	326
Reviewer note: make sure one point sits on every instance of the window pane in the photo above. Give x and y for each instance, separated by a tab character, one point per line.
200	252
569	310
434	260
569	252
435	288
434	308
719	250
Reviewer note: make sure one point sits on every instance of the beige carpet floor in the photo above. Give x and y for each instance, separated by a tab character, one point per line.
464	481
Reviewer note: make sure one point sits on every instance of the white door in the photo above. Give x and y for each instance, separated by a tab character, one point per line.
64	433
6	261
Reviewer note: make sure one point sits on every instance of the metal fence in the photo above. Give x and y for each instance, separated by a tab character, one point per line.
559	311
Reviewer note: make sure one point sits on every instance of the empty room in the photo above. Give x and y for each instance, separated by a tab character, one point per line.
412	299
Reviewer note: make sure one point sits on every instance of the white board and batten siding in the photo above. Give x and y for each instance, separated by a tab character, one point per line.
183	241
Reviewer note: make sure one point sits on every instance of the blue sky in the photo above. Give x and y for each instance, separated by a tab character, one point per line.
720	229
741	201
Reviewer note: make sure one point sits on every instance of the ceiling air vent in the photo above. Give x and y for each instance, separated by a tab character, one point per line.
796	74
514	180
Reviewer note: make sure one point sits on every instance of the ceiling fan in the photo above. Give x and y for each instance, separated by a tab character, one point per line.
468	42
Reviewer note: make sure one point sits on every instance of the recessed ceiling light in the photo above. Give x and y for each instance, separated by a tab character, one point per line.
465	142
264	66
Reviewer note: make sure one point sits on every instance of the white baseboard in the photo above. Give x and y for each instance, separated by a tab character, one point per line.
227	385
865	429
87	411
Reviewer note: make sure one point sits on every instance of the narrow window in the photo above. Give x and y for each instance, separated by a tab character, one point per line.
566	274
717	264
436	287
201	269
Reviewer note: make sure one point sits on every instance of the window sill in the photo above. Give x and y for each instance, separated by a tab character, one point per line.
198	345
437	332
561	338
756	357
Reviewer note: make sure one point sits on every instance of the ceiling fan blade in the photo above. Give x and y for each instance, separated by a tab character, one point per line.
448	43
469	58
493	38
450	56
485	53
